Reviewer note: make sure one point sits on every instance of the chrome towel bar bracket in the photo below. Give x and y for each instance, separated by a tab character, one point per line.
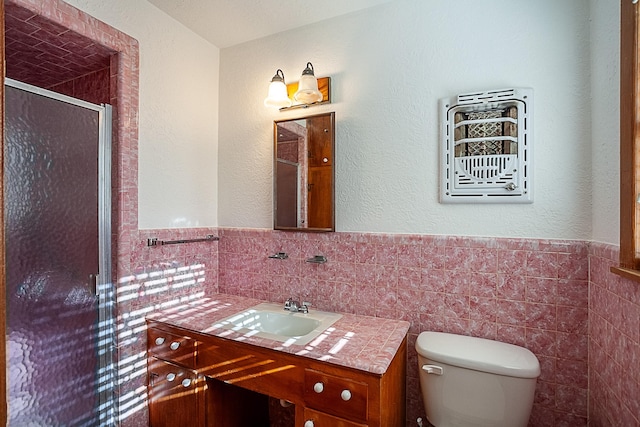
279	255
318	259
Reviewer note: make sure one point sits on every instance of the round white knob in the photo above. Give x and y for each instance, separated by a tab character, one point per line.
308	423
345	395
318	387
174	345
325	160
186	382
159	341
171	376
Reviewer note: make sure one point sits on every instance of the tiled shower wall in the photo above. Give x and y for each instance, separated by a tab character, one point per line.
528	292
92	87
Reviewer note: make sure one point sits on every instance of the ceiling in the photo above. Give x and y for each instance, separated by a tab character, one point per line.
227	23
45	54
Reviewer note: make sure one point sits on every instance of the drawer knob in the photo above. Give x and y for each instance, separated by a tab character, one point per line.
159	341
186	382
171	376
345	395
308	423
318	387
174	345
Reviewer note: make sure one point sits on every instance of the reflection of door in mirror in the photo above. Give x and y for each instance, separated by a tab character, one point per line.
303	190
320	164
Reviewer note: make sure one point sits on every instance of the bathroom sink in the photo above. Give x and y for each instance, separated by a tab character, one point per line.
269	320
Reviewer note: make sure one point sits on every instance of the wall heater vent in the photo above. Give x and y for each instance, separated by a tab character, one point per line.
485	147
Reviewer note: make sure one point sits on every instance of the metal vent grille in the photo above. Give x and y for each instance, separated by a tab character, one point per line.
486	147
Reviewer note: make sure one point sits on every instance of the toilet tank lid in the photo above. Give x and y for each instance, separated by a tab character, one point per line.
479	354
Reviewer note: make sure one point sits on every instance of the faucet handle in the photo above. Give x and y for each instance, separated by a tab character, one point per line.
291	304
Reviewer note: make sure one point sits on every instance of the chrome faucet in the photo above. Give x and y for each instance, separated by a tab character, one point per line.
296	307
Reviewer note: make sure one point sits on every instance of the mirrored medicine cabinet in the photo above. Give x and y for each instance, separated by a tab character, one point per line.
303	190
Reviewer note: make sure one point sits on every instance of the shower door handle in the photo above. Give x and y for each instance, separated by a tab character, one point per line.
93	284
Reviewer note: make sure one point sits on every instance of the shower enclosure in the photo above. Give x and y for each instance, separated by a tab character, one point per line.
58	259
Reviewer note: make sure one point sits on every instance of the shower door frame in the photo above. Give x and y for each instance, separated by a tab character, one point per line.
105	292
3	302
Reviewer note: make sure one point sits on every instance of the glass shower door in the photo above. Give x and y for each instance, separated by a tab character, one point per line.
57	258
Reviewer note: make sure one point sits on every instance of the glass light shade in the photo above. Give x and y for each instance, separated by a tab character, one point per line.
308	92
277	96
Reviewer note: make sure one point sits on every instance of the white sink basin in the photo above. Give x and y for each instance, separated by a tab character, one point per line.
270	320
278	323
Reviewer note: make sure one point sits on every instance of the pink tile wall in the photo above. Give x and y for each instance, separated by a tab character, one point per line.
614	347
527	292
92	87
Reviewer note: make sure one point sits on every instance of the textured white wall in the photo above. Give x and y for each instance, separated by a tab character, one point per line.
605	124
178	114
389	66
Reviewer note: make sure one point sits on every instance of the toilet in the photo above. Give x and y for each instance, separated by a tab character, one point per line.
467	381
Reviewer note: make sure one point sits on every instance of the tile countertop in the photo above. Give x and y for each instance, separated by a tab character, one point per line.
361	342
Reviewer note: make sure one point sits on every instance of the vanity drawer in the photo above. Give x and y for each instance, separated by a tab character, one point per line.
318	419
336	395
175	348
175	395
252	368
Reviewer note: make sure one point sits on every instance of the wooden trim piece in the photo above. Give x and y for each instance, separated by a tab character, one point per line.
627	273
629	134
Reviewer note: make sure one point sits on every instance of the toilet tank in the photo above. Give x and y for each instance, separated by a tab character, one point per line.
468	381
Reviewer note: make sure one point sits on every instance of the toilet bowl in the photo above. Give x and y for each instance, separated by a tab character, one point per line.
467	381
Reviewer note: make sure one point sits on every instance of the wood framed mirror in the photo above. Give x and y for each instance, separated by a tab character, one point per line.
304	174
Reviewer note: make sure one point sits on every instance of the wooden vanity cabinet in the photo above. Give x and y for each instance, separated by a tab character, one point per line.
233	376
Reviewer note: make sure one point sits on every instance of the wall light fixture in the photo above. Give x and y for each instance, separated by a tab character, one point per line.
303	94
